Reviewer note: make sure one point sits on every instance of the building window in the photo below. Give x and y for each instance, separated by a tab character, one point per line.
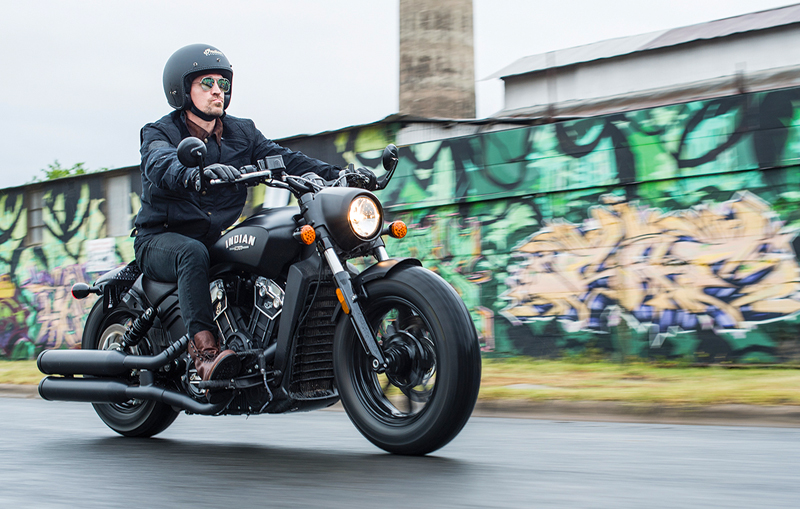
35	218
118	206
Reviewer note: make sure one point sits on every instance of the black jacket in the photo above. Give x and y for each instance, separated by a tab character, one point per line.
168	205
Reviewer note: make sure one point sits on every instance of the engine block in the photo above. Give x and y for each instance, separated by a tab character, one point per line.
246	311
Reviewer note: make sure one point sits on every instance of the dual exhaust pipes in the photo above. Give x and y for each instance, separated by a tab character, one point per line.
105	362
108	364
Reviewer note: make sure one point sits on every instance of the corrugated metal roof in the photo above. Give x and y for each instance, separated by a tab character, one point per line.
661	39
587	53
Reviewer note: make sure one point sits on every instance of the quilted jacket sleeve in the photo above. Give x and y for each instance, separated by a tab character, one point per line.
160	163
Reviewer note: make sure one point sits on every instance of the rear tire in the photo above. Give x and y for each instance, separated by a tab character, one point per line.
134	418
429	392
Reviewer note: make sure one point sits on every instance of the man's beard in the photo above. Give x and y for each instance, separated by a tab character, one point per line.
208	117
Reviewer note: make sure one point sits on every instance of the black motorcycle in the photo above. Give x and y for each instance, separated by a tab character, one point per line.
394	342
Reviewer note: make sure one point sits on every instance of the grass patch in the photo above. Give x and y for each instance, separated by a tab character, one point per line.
19	372
637	382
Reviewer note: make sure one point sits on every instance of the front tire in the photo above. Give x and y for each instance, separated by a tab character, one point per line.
134	418
425	398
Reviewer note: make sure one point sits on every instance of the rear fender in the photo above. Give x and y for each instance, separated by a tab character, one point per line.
92	326
137	297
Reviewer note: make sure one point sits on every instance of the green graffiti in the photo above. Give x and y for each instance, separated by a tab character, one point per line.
544	231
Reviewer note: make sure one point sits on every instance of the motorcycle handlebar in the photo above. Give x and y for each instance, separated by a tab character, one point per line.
389	161
267	174
297	185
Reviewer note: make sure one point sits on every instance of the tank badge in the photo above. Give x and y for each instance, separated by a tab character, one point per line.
239	242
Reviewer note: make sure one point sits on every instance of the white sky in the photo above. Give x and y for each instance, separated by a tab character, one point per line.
83	76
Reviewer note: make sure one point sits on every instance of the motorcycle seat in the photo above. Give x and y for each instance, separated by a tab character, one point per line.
157	291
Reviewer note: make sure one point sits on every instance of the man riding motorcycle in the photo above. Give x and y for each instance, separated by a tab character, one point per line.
177	223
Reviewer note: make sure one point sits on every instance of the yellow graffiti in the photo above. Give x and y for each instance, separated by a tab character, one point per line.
60	315
728	266
7	288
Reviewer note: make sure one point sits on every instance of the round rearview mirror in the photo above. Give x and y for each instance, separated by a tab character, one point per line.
191	152
389	158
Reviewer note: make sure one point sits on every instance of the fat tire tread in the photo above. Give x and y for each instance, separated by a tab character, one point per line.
456	389
160	415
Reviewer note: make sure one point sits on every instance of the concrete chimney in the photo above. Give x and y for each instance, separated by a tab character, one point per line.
437	59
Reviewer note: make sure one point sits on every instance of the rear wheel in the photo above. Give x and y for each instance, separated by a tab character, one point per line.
429	391
133	418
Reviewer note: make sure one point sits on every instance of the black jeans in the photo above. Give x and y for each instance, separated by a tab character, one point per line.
172	257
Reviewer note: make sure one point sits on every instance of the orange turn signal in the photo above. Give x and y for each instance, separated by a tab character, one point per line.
307	235
342	301
398	229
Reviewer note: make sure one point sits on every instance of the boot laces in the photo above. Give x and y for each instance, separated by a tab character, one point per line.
202	355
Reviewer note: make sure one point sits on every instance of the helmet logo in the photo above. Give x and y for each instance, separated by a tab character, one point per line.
209	52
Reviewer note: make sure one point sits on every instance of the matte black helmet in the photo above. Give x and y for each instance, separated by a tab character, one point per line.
185	64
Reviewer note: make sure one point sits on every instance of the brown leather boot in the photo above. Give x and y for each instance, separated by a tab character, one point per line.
212	364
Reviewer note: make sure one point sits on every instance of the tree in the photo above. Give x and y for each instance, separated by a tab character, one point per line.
56	171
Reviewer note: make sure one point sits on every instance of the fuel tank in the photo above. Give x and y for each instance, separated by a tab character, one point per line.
263	244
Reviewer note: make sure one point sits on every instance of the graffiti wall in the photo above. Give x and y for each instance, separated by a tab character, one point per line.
668	232
35	308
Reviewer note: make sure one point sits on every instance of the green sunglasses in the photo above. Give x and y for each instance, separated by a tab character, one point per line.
207	84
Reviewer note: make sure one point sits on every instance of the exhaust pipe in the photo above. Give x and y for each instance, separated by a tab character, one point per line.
105	362
89	390
113	363
94	390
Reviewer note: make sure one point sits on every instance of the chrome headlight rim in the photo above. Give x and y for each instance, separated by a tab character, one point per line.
365	217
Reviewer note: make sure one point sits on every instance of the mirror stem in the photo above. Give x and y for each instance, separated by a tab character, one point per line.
201	166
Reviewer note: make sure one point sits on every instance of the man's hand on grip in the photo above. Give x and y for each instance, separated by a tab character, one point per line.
219	171
362	177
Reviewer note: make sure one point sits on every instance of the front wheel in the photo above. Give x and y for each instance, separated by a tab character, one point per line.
429	391
134	418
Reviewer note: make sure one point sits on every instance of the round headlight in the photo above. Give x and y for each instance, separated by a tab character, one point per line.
365	217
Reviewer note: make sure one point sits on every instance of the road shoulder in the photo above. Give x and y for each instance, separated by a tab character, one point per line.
597	411
608	411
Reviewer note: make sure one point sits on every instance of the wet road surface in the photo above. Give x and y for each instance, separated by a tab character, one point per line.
58	454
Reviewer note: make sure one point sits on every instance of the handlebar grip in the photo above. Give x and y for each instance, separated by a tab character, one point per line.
243	178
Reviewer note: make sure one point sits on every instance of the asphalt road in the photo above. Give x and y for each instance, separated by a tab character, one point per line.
57	454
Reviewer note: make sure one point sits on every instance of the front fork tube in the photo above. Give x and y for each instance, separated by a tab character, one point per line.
353	309
380	253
